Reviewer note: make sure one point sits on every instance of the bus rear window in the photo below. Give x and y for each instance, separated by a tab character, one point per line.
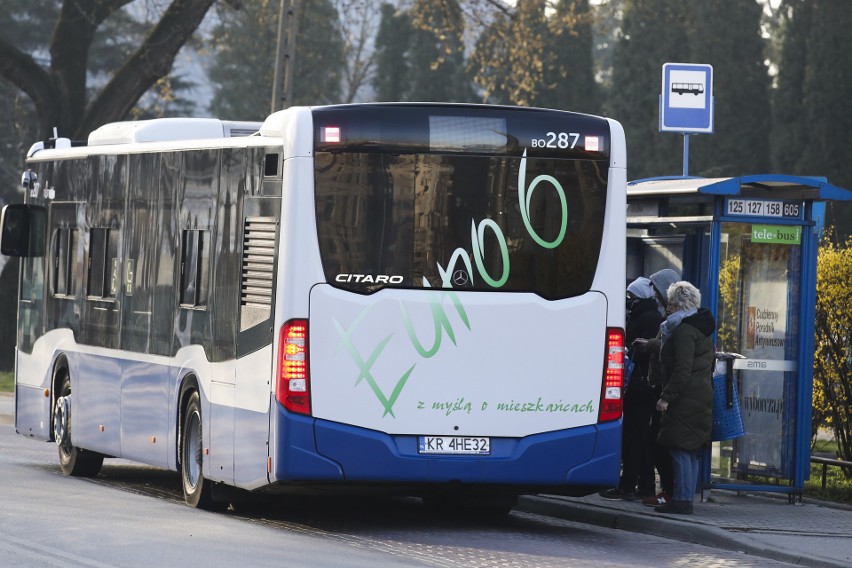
468	222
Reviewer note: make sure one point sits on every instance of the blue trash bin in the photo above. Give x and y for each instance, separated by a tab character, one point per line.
727	418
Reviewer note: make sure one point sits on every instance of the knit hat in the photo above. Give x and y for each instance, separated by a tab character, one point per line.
663	279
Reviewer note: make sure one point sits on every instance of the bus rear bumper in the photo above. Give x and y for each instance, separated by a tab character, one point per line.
575	461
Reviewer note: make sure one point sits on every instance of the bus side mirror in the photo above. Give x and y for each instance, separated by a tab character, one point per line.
22	230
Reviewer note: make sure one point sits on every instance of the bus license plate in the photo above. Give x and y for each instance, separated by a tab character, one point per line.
454	445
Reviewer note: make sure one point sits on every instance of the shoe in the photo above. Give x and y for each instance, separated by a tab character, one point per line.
660	498
675	507
616	494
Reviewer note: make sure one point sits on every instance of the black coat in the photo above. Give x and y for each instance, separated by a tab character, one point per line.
643	322
687	362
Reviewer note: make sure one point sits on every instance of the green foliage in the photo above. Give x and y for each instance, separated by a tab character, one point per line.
7	381
740	142
833	355
512	55
392	42
827	127
729	285
789	122
656	32
420	54
569	72
436	65
489	61
538	53
244	65
838	485
653	32
811	128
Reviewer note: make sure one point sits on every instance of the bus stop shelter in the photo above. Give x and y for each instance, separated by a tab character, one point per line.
749	244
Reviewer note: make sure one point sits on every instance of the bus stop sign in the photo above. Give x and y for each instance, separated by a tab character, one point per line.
686	102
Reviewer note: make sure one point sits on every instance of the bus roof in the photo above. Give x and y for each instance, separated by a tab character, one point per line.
166	129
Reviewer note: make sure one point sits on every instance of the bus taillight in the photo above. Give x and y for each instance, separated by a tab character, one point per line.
611	402
294	382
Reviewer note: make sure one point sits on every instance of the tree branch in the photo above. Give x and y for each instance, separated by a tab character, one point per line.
26	74
152	61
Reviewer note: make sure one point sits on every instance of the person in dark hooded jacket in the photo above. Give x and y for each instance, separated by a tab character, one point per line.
686	356
645	310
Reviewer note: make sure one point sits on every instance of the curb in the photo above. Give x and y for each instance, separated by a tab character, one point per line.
665	527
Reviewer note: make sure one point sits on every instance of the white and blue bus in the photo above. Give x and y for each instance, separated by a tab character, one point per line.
421	298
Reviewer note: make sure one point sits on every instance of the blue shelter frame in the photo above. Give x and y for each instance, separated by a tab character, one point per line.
691	212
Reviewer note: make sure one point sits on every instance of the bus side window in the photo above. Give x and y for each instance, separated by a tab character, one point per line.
64	260
103	263
194	268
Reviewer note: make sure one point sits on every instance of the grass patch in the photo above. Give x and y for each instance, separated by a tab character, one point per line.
838	485
7	381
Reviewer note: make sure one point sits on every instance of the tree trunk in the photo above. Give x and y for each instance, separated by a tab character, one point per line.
60	92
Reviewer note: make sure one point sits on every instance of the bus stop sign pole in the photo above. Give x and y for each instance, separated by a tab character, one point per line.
686	102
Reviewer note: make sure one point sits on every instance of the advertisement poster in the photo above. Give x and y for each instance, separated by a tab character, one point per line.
765	339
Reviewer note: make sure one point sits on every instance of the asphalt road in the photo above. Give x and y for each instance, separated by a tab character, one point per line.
132	515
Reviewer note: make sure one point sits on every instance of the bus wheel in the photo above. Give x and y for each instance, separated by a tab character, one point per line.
73	460
197	491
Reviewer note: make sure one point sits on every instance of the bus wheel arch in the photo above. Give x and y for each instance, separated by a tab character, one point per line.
73	461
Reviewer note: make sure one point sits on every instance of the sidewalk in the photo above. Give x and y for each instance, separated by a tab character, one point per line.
809	534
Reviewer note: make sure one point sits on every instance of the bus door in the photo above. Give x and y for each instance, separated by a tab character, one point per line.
33	374
144	385
96	378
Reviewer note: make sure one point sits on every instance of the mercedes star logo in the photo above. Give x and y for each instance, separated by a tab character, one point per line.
460	278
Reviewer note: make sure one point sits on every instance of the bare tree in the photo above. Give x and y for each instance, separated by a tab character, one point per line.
358	23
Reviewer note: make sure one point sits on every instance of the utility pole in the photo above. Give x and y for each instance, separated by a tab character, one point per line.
285	61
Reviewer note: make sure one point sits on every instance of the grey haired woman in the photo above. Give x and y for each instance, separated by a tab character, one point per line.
686	354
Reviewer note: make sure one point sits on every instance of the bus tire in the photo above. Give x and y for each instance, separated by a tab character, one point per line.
74	461
197	491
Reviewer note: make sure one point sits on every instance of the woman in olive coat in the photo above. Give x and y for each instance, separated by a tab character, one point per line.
686	356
